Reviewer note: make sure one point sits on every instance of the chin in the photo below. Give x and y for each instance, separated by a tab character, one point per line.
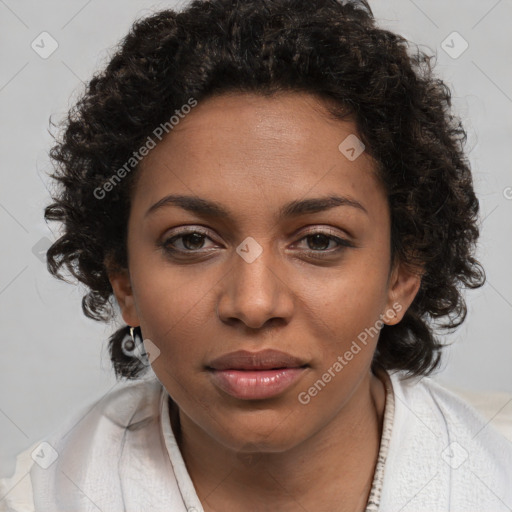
259	431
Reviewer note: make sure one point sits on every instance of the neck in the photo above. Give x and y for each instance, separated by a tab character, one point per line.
334	466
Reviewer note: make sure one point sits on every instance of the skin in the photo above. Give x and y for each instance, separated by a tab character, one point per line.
252	155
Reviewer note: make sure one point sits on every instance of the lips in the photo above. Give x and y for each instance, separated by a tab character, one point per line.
256	375
263	360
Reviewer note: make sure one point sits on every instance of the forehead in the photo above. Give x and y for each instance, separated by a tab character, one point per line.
250	148
292	125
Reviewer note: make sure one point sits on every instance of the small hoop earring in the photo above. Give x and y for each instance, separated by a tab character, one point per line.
132	345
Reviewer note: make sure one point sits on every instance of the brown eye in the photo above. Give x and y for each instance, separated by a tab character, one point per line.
185	241
193	241
318	243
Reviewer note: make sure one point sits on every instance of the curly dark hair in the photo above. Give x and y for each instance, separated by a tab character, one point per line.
327	48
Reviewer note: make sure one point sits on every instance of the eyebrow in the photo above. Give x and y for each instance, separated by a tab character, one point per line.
206	208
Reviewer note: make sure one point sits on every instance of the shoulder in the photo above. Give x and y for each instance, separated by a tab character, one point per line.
444	454
447	412
16	491
459	415
98	427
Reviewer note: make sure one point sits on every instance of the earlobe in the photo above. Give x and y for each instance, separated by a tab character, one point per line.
403	287
121	285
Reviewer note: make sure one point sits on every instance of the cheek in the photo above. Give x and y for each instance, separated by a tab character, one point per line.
162	302
345	318
353	295
174	305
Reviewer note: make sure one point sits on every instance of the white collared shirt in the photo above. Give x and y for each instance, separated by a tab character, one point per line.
437	453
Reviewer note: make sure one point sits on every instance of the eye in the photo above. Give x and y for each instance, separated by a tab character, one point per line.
318	242
185	241
192	242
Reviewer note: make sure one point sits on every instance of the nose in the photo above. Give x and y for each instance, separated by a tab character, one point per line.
256	293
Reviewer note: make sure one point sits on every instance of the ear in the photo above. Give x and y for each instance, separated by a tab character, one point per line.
404	284
122	287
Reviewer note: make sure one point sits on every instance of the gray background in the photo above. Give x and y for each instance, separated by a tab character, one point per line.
54	360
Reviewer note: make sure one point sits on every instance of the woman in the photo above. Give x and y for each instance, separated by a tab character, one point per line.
276	196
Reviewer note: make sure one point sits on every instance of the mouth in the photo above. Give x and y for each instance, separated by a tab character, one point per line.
256	375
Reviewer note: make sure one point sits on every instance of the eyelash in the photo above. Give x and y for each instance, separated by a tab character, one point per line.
342	243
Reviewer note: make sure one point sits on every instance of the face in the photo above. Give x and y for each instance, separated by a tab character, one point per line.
258	259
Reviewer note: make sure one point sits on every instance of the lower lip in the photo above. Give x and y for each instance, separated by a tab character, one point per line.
256	384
